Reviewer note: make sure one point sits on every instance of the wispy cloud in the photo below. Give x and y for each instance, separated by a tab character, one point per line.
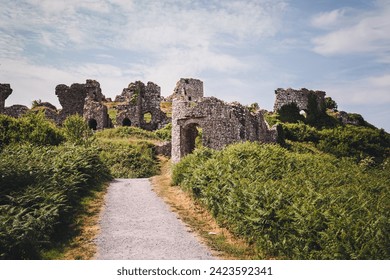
327	20
365	32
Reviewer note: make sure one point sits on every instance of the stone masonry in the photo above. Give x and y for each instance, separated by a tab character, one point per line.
222	124
299	97
84	100
188	89
5	91
71	99
138	100
16	110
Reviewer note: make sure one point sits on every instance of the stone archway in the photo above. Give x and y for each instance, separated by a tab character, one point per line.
188	133
92	124
126	122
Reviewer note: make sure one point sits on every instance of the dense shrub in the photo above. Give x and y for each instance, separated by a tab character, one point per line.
127	160
290	113
32	128
77	131
301	133
343	141
40	189
356	142
164	133
290	205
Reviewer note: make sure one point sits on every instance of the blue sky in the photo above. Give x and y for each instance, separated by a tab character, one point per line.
242	50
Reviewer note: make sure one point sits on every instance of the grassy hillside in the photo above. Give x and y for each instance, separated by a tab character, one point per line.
323	194
293	205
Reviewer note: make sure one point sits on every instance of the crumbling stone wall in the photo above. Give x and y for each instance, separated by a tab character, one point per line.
96	114
188	89
140	100
84	100
222	124
299	97
16	110
5	91
71	99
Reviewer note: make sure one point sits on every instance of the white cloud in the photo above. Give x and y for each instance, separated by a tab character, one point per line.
368	91
362	32
10	46
328	19
160	41
380	81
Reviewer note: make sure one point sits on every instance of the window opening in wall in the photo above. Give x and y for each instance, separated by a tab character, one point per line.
148	117
92	124
126	122
191	138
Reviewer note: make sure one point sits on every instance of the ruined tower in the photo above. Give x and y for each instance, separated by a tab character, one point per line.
188	89
299	97
141	106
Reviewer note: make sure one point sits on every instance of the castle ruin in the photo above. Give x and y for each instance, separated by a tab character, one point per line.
84	100
141	106
188	89
221	123
299	97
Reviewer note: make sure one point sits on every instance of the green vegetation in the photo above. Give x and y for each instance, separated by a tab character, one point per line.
290	113
357	142
166	107
31	128
127	160
76	130
293	205
131	132
323	195
47	173
129	151
41	189
147	117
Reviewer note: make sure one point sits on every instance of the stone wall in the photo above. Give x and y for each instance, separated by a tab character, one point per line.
5	91
139	100
96	114
84	100
188	89
221	123
71	99
299	97
16	110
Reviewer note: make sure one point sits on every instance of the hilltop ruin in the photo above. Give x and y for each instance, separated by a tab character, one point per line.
299	97
221	123
140	106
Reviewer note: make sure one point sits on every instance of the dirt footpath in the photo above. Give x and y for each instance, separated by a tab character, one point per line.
137	224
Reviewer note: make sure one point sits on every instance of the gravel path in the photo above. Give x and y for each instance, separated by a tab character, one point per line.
137	224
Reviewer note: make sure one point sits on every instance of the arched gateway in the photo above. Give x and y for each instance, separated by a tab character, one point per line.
221	124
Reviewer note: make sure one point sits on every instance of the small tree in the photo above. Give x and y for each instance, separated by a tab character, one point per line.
77	131
254	107
330	103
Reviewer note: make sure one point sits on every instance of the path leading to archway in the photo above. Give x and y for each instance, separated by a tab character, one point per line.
137	224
